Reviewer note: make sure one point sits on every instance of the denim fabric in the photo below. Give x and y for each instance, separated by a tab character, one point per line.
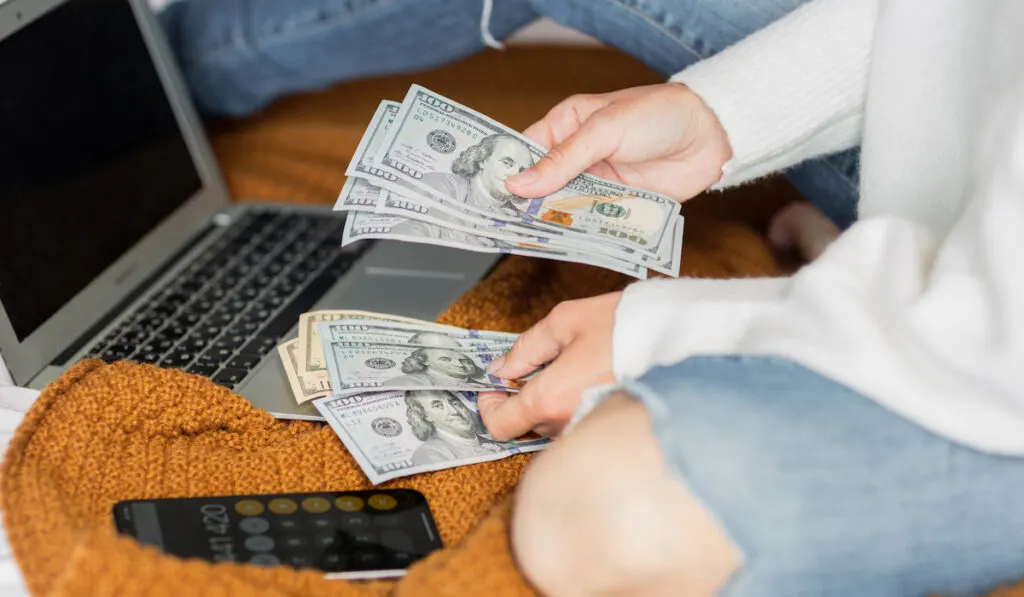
827	493
240	55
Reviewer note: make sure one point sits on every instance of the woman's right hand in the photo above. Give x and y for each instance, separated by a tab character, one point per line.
660	138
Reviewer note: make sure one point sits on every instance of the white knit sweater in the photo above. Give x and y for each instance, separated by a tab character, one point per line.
917	306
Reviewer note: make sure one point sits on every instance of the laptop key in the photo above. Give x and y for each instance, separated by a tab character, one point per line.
255	315
261	345
231	376
244	361
135	336
157	345
173	331
207	331
115	353
195	342
248	293
231	341
147	357
220	319
201	305
151	322
178	357
236	305
202	369
215	355
283	288
215	294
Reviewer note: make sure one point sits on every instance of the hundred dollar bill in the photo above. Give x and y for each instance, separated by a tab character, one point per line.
363	226
401	433
401	198
310	352
305	386
381	332
441	146
358	194
436	362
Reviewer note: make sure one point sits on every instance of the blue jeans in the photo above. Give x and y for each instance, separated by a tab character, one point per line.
825	492
239	55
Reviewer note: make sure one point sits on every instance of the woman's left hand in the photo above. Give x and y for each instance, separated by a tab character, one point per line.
575	341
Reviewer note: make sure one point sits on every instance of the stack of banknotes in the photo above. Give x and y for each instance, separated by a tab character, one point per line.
429	170
400	393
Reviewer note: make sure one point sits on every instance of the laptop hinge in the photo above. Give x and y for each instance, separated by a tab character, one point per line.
63	358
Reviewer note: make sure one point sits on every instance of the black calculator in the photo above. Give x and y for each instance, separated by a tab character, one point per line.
351	534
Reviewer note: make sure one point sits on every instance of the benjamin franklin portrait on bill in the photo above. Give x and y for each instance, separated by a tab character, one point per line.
439	363
448	428
478	175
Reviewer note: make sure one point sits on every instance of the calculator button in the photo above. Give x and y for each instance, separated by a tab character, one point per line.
282	506
349	503
259	543
324	540
264	559
322	522
402	557
332	561
396	540
388	520
382	501
254	525
362	538
366	557
294	542
290	524
249	508
316	505
356	520
299	561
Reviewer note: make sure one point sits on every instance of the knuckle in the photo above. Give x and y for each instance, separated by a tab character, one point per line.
531	401
555	157
551	408
527	338
564	111
564	311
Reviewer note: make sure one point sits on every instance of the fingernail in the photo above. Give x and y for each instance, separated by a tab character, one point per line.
496	365
524	178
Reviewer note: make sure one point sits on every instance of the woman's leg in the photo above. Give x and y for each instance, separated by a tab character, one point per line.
743	476
239	55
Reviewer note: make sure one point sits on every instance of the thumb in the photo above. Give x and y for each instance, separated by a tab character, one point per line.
504	415
594	141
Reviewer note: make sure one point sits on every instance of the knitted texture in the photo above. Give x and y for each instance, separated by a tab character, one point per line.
104	433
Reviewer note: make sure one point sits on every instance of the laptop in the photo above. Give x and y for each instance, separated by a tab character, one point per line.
118	239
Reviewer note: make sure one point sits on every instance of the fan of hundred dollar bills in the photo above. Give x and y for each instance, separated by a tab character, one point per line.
400	393
430	170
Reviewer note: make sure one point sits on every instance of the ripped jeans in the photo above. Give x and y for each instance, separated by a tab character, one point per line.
239	55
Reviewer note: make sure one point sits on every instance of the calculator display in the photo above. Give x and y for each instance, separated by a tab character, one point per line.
355	534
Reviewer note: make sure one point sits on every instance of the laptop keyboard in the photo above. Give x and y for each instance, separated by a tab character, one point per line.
232	306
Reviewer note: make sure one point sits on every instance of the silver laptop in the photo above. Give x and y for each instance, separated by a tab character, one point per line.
117	237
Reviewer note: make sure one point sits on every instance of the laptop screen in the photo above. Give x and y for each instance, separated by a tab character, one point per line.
91	156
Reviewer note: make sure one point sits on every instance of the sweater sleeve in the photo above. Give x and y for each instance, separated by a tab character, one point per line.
659	322
791	91
930	325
